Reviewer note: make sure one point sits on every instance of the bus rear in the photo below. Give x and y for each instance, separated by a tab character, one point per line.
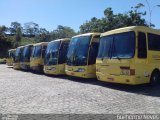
55	57
37	56
81	56
124	56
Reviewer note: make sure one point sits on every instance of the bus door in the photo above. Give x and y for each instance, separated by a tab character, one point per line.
141	58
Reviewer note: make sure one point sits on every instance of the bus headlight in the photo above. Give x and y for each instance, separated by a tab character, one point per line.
80	70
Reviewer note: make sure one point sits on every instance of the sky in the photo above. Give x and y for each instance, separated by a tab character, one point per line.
73	13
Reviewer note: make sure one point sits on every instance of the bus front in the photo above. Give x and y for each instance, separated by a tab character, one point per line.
55	57
37	57
116	57
10	58
18	58
25	62
81	56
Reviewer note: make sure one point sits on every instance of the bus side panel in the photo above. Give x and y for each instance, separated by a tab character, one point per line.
153	61
142	71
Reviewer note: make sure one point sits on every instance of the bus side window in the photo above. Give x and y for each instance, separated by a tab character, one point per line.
93	50
63	52
142	47
153	42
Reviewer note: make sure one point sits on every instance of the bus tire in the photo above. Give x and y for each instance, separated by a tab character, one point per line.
155	77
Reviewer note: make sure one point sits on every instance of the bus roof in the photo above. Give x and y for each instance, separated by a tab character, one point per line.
11	50
131	28
20	47
63	39
86	34
41	43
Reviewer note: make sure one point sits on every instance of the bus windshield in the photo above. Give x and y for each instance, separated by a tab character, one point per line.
26	53
18	55
78	51
18	51
11	54
117	46
36	51
51	55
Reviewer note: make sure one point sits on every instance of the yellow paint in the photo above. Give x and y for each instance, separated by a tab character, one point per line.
89	71
25	65
9	60
16	64
37	63
58	69
109	70
54	69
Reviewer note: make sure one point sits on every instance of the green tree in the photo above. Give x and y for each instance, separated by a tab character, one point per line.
3	29
18	37
5	44
43	36
13	27
111	21
31	29
62	32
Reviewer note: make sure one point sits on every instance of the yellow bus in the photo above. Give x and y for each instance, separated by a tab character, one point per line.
18	57
10	58
37	56
81	56
129	55
25	61
55	57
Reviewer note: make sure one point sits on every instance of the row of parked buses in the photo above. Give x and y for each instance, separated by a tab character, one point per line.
129	55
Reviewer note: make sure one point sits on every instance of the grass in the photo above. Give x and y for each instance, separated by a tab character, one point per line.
2	60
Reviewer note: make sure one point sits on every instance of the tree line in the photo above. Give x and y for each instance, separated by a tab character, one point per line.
31	32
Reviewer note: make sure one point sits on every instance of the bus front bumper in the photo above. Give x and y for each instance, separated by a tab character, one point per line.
38	68
79	74
25	66
9	63
58	69
16	66
50	70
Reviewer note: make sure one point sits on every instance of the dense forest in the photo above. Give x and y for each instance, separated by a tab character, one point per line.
16	35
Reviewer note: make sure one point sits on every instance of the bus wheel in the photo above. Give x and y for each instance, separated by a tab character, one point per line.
155	77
